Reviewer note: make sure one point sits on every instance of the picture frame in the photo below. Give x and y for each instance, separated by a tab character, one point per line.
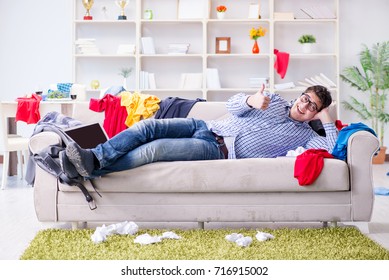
254	11
223	45
189	9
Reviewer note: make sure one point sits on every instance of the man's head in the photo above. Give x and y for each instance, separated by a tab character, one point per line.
311	101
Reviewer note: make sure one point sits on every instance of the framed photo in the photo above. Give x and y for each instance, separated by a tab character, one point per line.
254	11
223	44
189	9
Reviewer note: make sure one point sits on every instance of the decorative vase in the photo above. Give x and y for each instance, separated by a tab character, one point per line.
307	48
220	15
380	157
255	47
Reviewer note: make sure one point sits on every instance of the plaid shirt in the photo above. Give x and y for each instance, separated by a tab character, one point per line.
268	133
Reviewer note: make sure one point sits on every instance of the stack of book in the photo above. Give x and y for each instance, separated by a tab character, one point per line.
258	82
147	80
320	79
178	48
87	46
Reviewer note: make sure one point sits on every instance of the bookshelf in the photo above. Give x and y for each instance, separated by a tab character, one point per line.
235	69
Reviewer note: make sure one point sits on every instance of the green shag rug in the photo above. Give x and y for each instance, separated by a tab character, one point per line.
341	243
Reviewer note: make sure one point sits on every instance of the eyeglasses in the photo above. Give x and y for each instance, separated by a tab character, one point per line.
305	98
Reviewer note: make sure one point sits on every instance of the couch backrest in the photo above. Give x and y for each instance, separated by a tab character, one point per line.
82	113
201	110
208	110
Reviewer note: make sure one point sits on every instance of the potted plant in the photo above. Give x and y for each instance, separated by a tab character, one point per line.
221	11
307	40
125	73
372	79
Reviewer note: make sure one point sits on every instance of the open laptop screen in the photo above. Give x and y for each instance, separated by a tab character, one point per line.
87	136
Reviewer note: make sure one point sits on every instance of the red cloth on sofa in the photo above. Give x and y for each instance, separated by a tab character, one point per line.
115	114
281	63
28	109
309	165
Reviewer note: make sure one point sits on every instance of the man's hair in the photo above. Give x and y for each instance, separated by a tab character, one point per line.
323	94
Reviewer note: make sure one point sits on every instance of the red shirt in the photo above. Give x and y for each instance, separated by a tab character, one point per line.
309	165
28	109
115	114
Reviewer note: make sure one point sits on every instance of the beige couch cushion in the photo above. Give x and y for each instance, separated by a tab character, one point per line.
235	175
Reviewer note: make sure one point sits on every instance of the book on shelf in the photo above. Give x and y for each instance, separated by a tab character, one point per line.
320	79
309	81
147	45
152	84
147	80
282	86
126	49
258	82
178	48
283	16
304	84
300	14
85	41
331	83
253	11
318	12
87	46
213	80
191	80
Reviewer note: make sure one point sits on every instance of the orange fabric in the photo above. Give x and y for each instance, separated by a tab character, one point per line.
28	109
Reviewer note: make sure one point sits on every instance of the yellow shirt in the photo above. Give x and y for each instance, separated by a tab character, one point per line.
139	106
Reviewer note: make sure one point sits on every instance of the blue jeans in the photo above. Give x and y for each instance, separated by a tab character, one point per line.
153	140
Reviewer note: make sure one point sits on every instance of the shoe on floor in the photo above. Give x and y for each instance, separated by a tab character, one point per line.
82	159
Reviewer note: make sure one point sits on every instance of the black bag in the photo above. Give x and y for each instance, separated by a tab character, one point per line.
48	160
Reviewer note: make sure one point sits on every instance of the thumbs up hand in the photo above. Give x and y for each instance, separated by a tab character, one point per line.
259	100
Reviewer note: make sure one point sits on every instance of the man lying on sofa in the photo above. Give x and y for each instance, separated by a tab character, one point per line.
263	125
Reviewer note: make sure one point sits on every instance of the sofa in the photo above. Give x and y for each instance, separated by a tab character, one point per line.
231	190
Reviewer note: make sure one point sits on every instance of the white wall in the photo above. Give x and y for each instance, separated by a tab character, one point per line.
361	22
36	45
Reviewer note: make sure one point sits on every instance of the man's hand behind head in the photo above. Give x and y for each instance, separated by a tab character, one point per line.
324	116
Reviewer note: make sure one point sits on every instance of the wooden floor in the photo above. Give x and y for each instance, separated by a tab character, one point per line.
19	224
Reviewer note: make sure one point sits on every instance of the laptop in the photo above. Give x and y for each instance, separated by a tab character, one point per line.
87	136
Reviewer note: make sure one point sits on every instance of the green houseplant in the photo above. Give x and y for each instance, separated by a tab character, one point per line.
372	79
307	40
125	73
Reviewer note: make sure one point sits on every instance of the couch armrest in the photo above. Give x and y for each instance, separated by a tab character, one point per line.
42	140
362	145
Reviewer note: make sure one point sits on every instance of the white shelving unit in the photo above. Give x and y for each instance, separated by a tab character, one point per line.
234	68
